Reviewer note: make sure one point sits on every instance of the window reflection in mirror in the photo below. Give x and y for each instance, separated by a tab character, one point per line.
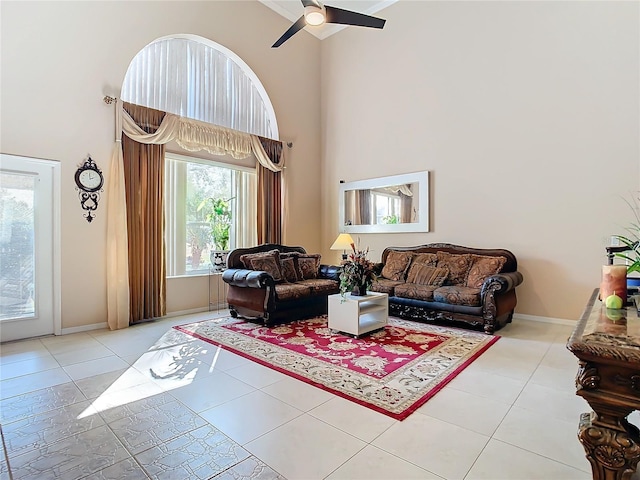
388	204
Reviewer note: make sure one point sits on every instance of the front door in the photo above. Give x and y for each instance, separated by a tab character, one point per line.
28	217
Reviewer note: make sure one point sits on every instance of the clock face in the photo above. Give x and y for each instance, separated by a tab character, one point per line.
90	180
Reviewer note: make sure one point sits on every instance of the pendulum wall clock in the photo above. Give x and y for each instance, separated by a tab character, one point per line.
89	182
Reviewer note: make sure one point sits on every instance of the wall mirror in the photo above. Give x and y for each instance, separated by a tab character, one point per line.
395	204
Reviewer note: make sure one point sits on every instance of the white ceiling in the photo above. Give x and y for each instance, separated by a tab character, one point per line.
292	10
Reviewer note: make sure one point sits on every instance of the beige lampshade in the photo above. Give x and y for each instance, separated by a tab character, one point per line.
343	242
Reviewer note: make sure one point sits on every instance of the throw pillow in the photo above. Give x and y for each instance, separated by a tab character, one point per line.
289	271
429	259
458	266
483	267
422	274
396	264
265	261
308	265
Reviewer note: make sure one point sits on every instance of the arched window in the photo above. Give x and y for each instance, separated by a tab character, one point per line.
194	77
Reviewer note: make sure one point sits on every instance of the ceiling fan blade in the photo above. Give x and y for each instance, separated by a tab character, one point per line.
347	17
293	29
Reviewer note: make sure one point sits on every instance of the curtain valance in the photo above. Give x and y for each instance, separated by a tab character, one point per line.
193	136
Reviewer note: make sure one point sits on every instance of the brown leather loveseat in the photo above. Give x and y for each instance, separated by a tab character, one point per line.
274	283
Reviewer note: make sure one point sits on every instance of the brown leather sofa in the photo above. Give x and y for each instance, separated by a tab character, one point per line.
441	282
274	283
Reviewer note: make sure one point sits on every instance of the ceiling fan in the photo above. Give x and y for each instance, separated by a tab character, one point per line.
315	13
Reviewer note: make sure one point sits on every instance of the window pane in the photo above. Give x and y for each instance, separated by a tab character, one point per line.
17	278
208	215
207	207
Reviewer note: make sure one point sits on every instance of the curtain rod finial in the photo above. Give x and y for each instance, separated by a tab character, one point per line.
109	100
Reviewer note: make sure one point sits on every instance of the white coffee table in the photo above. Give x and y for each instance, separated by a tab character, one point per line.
358	315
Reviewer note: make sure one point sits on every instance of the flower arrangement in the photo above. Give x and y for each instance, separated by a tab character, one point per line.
358	273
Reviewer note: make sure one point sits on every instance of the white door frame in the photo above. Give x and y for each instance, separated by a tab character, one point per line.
55	241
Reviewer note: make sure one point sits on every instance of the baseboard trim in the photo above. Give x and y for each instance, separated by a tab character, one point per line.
190	311
536	318
84	328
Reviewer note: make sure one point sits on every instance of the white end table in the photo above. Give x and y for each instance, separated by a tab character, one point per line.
358	315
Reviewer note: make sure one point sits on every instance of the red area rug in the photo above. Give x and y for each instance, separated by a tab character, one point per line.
393	371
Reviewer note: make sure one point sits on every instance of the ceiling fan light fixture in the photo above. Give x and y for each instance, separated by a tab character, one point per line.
314	15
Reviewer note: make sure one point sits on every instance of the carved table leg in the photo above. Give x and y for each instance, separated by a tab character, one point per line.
611	443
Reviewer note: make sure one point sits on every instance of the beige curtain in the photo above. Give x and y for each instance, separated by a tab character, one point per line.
191	135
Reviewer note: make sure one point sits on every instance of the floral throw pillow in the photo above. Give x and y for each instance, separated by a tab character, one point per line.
483	267
289	270
266	261
458	266
396	264
308	265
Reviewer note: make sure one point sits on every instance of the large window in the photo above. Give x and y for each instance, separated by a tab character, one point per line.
208	206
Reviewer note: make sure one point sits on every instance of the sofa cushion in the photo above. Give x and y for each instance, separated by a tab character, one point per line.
423	274
483	267
292	291
384	285
308	265
458	266
416	291
456	295
396	265
265	261
321	286
429	259
289	270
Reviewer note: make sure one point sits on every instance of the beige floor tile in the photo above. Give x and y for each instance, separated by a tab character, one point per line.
314	449
256	375
32	382
371	463
547	401
82	355
22	350
489	385
25	367
442	448
501	461
547	436
452	406
211	391
298	394
39	401
354	419
197	454
97	366
250	416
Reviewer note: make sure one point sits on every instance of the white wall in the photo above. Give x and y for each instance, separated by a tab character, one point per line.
525	113
58	59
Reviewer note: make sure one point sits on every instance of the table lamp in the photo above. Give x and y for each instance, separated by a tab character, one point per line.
343	242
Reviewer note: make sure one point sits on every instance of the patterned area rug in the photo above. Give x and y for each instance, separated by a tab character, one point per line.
393	371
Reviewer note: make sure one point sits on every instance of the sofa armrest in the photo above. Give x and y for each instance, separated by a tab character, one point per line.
501	282
332	272
239	277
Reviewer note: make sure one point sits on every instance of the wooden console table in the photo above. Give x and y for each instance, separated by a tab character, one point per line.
607	344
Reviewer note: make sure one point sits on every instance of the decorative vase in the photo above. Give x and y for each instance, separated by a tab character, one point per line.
359	290
218	260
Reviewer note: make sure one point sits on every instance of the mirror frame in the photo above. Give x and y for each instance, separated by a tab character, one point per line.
422	225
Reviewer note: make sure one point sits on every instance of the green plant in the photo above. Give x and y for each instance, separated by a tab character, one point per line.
632	240
390	220
218	214
357	271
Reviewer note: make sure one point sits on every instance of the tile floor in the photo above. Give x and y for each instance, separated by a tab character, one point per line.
152	402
